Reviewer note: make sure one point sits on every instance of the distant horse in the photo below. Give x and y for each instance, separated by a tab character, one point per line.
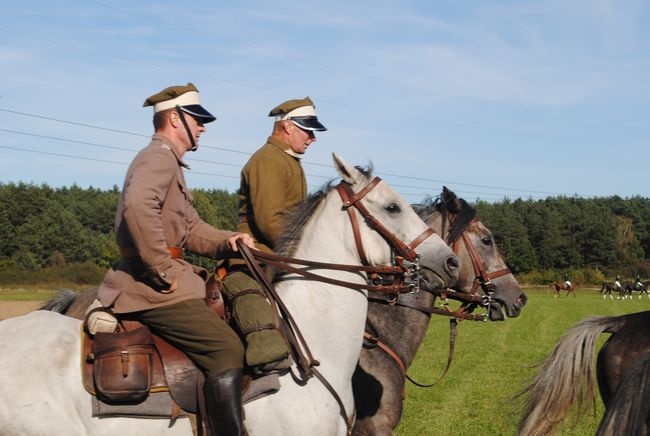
42	391
566	377
561	286
608	288
626	291
379	379
640	287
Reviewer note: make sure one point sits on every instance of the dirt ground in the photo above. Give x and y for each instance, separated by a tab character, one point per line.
10	309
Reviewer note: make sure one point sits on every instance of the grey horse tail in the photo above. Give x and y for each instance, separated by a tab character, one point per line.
566	377
61	302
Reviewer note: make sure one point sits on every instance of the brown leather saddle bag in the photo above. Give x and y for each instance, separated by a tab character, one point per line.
123	365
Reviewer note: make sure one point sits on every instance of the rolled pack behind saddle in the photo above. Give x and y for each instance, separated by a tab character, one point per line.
132	372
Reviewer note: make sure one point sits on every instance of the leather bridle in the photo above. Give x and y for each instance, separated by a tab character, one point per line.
390	280
482	280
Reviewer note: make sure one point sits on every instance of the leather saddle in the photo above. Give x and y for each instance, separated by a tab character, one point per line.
135	372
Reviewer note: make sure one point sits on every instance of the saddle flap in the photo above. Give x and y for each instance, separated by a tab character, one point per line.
181	374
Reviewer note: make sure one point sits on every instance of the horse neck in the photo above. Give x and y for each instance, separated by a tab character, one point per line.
402	328
319	307
326	236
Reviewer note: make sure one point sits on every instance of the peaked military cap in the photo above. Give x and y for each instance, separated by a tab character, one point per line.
185	97
301	112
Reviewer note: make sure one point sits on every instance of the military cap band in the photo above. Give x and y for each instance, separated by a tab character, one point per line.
185	97
301	112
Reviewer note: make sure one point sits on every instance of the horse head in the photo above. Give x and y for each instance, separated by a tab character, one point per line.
389	218
482	266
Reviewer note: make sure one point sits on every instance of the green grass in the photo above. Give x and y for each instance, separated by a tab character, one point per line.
493	361
26	293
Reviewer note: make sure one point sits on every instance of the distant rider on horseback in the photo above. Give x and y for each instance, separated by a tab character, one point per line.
617	283
567	282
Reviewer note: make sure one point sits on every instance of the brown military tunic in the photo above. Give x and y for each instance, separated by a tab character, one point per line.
154	213
272	182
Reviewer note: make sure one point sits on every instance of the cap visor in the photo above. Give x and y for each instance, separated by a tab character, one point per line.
308	123
198	111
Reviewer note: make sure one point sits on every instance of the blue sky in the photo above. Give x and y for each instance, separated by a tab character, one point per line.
493	99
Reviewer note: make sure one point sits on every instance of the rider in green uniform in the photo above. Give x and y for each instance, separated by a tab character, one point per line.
272	182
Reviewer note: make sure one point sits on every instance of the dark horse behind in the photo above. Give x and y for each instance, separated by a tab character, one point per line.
379	379
566	378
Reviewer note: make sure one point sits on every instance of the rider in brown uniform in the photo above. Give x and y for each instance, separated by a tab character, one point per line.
272	182
152	283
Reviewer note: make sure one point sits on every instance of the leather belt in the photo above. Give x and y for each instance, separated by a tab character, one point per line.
132	252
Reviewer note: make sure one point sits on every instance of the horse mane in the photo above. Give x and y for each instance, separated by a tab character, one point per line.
298	216
463	211
61	301
295	220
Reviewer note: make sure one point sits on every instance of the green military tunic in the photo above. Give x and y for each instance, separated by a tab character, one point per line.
272	182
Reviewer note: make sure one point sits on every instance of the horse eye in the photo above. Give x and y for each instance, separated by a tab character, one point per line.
393	208
487	240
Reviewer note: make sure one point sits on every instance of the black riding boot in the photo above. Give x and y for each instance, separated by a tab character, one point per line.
223	403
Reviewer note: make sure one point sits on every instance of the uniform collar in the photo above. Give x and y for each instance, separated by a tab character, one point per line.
169	145
284	147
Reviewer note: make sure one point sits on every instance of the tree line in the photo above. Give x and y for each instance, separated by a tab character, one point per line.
51	228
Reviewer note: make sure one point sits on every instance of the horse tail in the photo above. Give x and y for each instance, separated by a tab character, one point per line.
603	288
629	410
566	377
61	301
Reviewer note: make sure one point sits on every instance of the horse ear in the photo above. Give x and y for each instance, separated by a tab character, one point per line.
347	172
449	197
451	201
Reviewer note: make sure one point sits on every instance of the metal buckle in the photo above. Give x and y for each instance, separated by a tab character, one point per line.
413	275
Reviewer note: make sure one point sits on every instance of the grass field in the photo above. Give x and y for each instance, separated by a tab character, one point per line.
492	363
34	293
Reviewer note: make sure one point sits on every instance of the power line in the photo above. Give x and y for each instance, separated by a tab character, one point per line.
92	126
422	195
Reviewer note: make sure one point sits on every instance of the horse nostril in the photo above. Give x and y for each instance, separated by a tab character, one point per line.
452	266
523	298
